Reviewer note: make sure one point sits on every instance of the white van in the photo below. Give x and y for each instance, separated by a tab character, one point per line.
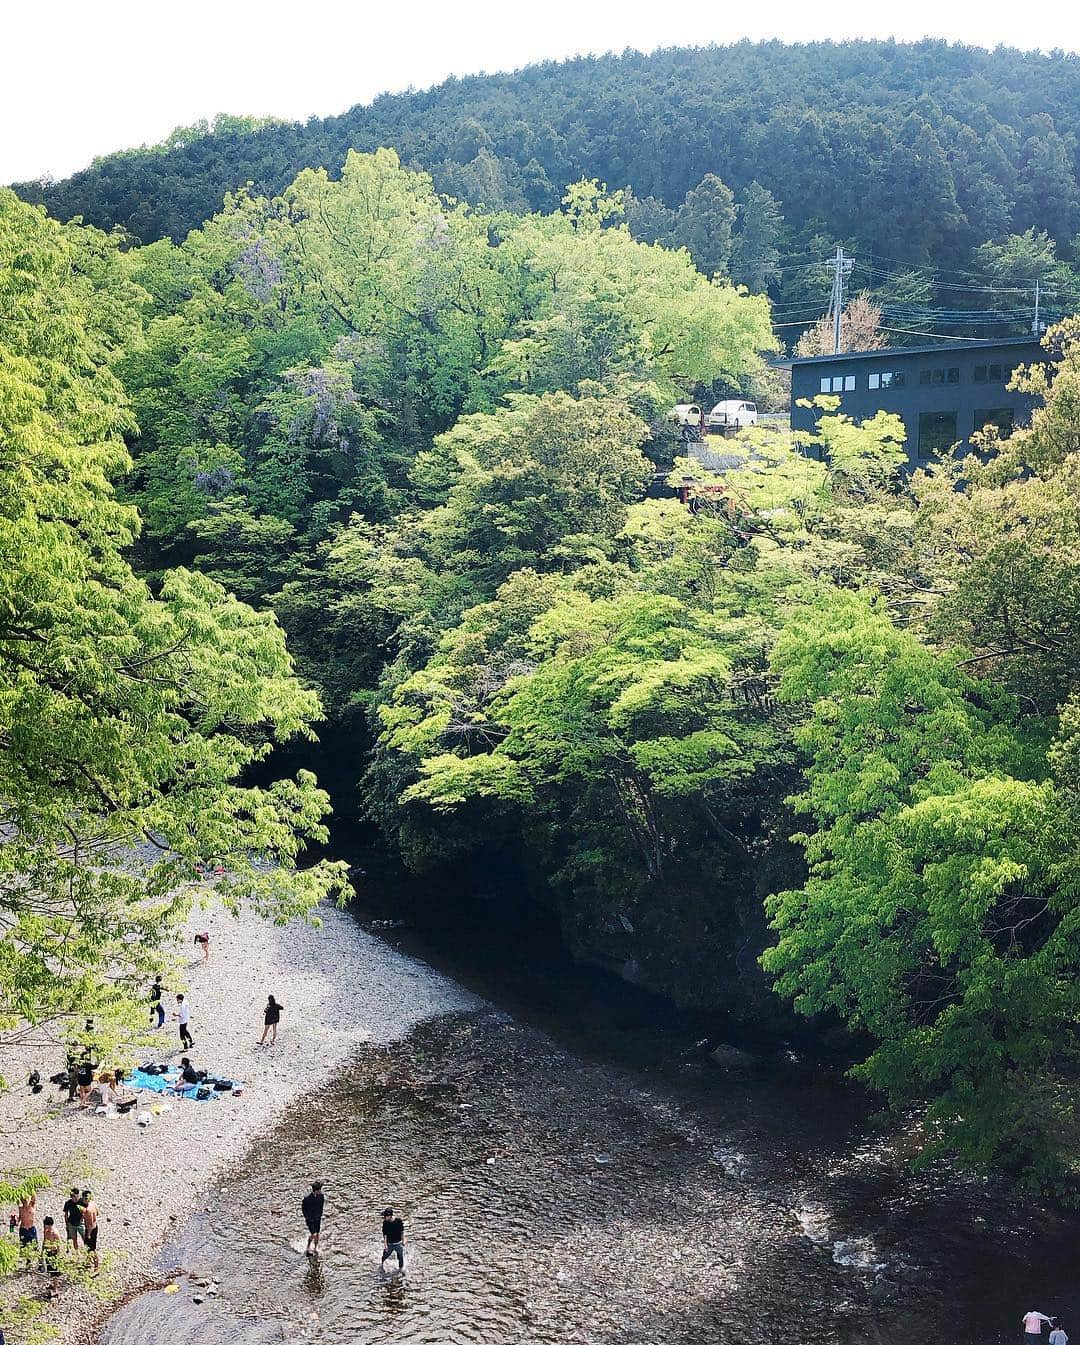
688	413
732	415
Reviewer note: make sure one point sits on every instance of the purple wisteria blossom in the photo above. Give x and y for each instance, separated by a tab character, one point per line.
258	268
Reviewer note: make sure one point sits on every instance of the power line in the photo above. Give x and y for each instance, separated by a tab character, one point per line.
936	336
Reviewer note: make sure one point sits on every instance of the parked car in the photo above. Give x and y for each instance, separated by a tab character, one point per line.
732	415
687	413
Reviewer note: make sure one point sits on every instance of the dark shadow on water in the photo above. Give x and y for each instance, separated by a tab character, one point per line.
553	1200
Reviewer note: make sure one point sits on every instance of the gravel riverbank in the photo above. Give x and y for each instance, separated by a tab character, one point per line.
341	988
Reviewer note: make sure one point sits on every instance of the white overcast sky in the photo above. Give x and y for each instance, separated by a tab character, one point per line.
81	79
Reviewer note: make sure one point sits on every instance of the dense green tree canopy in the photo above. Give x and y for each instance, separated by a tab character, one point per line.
909	154
126	717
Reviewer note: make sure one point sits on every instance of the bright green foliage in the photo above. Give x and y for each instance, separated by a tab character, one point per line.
125	718
940	914
300	353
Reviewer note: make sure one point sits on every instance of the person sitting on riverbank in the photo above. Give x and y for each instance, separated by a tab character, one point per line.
393	1231
188	1074
271	1018
311	1207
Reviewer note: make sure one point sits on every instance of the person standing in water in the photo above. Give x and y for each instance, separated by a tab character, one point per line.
393	1231
1033	1325
312	1209
271	1018
1058	1336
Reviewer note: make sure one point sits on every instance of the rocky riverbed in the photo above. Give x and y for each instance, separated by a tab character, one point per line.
342	988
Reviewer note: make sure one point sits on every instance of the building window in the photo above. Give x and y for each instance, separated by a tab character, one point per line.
849	382
994	374
999	418
938	377
838	384
889	378
826	385
937	432
980	373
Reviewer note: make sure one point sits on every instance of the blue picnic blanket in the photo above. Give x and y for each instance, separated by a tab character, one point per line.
165	1083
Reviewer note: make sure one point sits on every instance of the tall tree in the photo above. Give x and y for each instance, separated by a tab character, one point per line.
704	225
755	258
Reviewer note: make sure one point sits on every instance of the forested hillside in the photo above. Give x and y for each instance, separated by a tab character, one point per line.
814	739
911	155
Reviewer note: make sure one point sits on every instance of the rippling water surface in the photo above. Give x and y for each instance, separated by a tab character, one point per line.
554	1199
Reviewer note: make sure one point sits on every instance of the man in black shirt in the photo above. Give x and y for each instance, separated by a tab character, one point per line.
73	1218
393	1231
312	1207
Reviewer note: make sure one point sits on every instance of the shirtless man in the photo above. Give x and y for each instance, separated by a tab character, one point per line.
52	1244
28	1220
90	1226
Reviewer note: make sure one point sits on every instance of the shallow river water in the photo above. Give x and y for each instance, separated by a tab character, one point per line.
572	1170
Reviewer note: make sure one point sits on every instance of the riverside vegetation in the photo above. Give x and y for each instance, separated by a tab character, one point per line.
831	723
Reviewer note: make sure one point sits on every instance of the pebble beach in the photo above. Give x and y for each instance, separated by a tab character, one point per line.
342	989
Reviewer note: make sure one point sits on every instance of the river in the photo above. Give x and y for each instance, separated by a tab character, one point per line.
573	1166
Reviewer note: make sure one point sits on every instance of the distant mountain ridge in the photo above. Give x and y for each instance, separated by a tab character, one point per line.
917	151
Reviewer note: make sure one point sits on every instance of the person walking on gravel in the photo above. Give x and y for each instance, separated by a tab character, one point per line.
393	1231
157	1009
312	1209
182	1016
271	1018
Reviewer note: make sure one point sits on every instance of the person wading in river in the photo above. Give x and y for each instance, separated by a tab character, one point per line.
1033	1325
393	1231
312	1207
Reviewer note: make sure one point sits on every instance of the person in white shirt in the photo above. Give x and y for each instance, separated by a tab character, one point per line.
182	1016
1058	1336
1033	1325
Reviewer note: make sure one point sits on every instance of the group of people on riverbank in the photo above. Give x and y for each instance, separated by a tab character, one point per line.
82	1223
393	1227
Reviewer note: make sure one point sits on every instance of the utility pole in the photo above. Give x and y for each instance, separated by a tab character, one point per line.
842	267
